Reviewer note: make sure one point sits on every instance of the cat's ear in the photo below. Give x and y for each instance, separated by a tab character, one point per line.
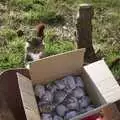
40	39
28	40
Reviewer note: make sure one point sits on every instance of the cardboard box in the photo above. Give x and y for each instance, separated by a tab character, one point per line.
101	86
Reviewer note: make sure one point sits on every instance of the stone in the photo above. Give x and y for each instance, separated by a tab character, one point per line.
72	103
57	118
78	92
90	107
47	97
59	96
51	87
70	115
63	99
84	101
69	82
79	82
61	110
39	90
46	116
46	107
67	90
82	110
60	84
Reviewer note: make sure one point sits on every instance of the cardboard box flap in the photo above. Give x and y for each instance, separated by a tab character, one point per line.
28	98
57	66
104	81
90	113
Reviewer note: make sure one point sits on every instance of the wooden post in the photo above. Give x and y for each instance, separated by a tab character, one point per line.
84	31
84	40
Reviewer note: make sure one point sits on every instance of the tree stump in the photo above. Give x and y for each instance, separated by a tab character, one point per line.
84	31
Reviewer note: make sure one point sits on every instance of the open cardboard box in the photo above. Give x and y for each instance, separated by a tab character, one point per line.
17	85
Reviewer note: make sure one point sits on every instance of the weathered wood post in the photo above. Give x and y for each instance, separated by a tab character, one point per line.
84	40
84	31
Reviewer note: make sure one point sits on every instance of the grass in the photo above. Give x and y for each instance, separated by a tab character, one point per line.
57	46
25	14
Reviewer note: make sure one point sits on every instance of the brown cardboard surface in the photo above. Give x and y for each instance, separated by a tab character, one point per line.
111	112
28	98
19	92
95	111
105	82
93	91
57	66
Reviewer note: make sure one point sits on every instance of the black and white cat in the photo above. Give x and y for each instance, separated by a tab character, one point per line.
34	48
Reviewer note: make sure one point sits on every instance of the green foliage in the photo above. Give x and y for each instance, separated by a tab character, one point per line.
50	17
110	55
11	56
53	48
8	33
116	71
56	45
27	13
27	5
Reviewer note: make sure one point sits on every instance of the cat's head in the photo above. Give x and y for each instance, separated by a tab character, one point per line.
35	45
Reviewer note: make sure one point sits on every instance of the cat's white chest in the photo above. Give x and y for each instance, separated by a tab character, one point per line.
35	56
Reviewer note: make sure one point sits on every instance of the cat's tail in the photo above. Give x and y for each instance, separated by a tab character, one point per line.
40	30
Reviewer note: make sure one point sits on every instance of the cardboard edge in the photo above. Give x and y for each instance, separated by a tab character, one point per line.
16	69
110	93
92	112
99	98
49	57
26	91
57	66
